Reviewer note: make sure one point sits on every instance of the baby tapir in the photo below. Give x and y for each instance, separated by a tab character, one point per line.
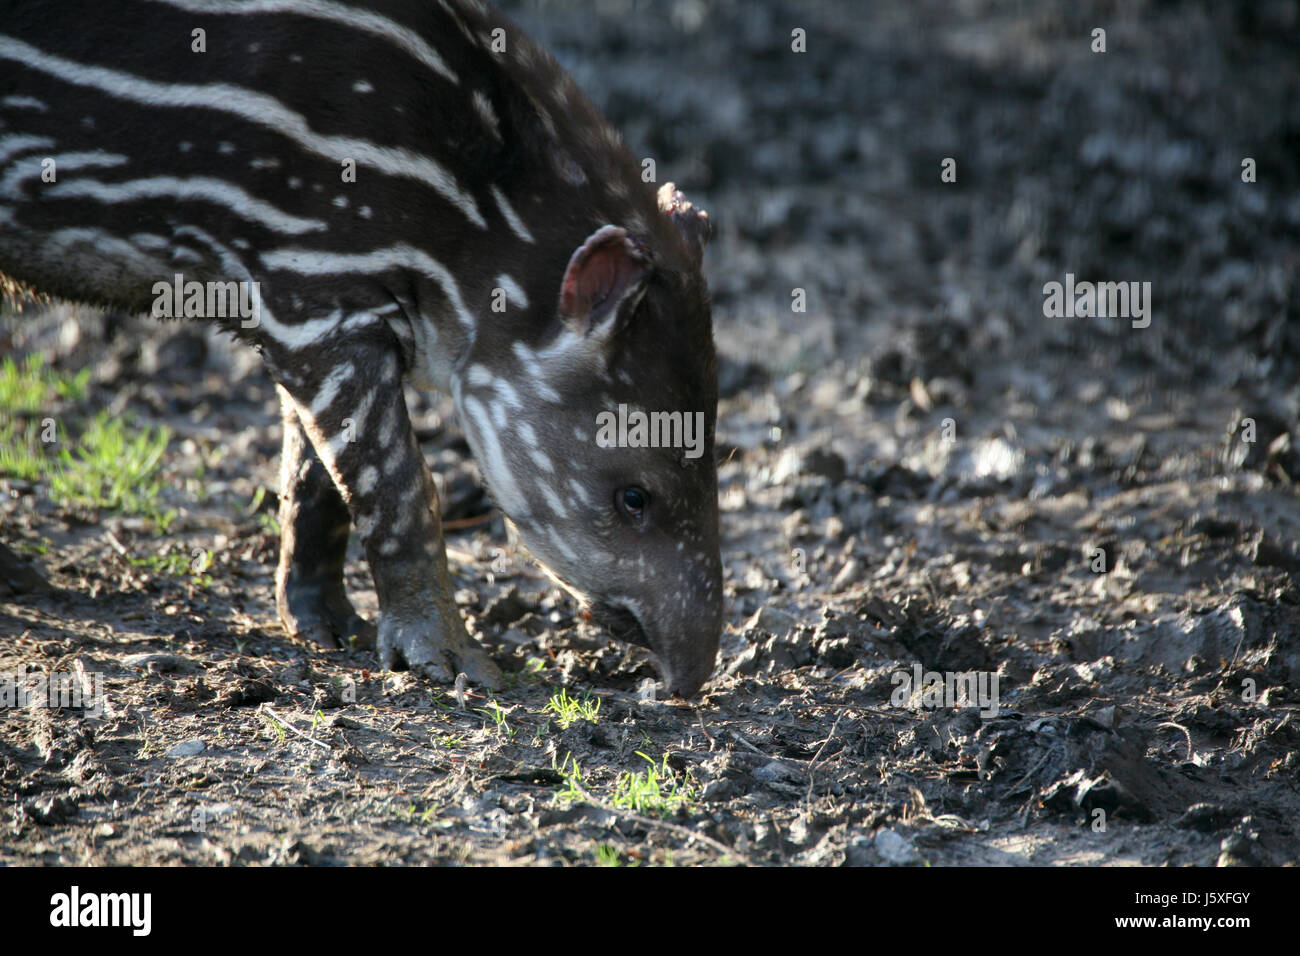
379	190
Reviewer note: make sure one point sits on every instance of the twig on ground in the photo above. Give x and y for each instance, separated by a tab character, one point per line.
1187	737
741	740
266	709
817	755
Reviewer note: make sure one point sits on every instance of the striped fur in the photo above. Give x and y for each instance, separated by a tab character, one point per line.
402	199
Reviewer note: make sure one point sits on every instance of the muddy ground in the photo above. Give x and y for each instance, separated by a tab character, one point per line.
921	470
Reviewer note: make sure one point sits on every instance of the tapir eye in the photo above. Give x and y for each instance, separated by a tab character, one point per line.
632	501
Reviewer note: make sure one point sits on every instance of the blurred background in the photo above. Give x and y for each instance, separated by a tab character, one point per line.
821	171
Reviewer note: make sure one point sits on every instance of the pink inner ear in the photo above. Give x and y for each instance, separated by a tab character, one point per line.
600	273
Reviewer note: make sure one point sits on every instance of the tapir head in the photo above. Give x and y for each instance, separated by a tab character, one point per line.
598	439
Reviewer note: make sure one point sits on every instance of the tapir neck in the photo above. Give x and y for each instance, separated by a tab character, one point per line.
542	168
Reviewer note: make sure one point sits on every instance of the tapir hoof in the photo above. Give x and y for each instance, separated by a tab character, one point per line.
436	652
323	616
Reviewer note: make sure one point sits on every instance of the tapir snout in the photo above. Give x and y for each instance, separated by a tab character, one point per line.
681	624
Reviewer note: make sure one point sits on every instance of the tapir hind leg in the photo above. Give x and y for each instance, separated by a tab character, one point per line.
314	526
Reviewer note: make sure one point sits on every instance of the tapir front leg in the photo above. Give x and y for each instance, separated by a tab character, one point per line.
354	413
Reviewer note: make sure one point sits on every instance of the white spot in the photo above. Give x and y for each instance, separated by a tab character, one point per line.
515	294
367	480
388	432
361	86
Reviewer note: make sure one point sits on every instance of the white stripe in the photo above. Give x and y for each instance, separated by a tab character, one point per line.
105	246
557	506
309	262
13	145
23	103
507	393
62	163
359	320
491	458
539	457
203	188
579	492
512	290
543	461
560	545
486	113
290	336
148	240
340	441
329	389
350	17
512	220
533	369
255	107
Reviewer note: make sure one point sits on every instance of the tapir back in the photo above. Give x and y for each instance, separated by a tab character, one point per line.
310	146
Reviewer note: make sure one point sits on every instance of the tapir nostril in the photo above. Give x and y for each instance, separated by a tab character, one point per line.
685	653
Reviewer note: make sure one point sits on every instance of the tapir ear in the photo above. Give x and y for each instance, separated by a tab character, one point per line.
691	222
603	271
